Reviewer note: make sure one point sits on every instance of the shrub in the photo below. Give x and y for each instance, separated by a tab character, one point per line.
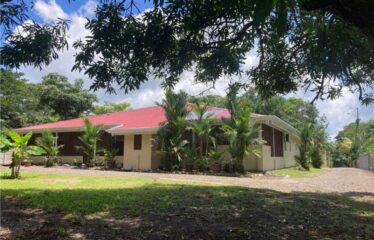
316	158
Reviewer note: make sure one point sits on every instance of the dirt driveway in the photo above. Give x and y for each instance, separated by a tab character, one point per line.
340	180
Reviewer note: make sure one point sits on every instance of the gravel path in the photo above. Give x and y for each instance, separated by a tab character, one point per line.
349	181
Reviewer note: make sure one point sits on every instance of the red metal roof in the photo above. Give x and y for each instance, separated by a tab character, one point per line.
130	119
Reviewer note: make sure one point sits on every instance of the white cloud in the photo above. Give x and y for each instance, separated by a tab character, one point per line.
49	11
338	112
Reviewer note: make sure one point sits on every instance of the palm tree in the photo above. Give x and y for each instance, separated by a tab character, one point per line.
240	129
20	148
170	140
48	142
305	146
202	127
89	141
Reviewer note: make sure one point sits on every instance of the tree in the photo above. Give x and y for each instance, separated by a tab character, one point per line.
20	148
109	107
19	106
65	99
202	127
49	144
319	145
89	141
240	129
305	146
170	140
365	133
317	45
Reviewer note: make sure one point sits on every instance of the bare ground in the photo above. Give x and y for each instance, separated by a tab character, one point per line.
317	196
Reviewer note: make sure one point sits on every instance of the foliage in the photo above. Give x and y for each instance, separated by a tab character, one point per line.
23	103
305	146
202	127
20	148
19	102
65	99
316	157
315	45
36	44
366	134
109	156
170	141
344	145
89	141
109	107
240	129
49	144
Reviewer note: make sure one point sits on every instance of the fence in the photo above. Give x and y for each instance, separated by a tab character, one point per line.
366	161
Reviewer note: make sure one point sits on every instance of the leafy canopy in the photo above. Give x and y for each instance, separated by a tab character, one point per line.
310	44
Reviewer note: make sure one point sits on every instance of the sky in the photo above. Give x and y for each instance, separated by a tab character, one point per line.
338	112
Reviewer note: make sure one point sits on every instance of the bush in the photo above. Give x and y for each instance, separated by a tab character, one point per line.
316	157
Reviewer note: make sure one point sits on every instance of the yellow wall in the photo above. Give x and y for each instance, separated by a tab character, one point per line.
138	159
266	162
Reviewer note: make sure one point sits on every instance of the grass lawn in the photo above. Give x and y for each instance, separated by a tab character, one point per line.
114	207
294	172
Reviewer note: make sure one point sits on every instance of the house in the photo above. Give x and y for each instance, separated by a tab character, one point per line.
132	131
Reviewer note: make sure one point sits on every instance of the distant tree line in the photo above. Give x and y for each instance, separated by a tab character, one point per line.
23	103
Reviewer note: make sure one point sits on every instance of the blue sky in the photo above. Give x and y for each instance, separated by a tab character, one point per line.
338	112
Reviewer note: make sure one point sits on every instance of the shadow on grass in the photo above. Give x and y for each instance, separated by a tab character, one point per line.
185	211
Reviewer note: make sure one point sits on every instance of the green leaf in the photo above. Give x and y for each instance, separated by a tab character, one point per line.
262	11
26	138
281	19
15	136
35	150
5	144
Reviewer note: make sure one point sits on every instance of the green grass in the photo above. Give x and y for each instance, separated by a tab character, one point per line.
251	209
295	172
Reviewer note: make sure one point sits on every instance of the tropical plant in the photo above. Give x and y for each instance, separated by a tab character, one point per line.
202	127
170	139
89	141
240	129
20	148
109	156
303	159
319	144
49	143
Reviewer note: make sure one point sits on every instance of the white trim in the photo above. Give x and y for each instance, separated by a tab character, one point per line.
146	130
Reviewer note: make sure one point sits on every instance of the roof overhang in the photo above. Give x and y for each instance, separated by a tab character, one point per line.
62	130
276	122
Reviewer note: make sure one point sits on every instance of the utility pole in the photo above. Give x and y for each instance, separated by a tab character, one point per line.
357	143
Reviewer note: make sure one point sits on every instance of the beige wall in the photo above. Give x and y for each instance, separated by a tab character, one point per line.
138	159
266	162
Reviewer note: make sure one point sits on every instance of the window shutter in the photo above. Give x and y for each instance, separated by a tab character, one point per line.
137	142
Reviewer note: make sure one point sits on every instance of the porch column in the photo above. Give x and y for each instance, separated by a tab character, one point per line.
56	138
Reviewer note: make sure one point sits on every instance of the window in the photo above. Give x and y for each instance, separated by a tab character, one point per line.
137	142
287	138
